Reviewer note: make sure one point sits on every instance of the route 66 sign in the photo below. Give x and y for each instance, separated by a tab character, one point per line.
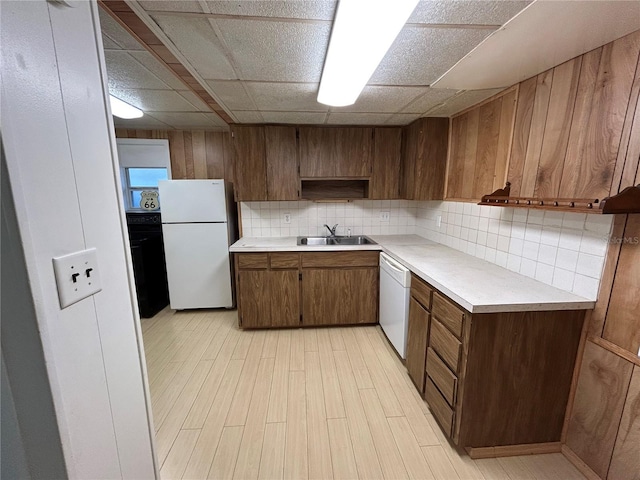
149	201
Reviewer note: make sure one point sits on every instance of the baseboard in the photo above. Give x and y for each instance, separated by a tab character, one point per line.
579	464
513	450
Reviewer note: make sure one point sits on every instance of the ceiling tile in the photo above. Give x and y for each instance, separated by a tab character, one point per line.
196	40
402	118
124	71
335	118
158	69
115	32
376	99
109	44
216	120
431	98
316	10
171	6
460	102
285	96
231	94
194	100
420	55
466	12
248	117
146	122
154	100
276	51
187	120
294	117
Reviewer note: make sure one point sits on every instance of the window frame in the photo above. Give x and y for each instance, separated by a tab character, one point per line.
141	153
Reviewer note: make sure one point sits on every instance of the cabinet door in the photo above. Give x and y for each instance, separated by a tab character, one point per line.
339	296
417	341
285	298
353	152
281	149
250	164
431	161
410	136
317	152
385	178
254	298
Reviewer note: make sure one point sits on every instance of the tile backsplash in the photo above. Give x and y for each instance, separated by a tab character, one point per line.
566	250
267	219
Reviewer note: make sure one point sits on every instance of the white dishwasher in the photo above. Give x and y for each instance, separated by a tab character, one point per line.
395	283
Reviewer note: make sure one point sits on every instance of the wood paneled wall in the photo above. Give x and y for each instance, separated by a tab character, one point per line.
571	132
194	153
603	423
570	138
479	147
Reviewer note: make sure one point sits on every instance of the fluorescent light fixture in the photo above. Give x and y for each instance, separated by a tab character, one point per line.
362	33
124	110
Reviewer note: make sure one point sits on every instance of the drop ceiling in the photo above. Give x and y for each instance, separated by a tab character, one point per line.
261	60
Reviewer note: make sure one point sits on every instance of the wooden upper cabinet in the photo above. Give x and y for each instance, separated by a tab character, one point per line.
327	152
387	164
281	149
480	140
317	152
353	151
250	163
425	158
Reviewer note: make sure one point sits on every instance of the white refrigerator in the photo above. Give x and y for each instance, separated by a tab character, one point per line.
198	225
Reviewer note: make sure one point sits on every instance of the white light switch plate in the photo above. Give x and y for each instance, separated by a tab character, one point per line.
77	276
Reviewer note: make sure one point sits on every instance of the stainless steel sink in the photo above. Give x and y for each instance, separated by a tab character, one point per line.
314	241
353	240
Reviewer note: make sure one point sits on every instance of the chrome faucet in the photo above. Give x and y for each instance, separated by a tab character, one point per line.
332	230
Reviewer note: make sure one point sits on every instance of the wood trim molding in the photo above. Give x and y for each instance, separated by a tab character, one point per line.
615	349
579	464
576	375
127	18
514	450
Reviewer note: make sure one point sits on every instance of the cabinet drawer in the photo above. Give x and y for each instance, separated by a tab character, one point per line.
441	410
440	374
285	260
443	342
340	259
448	314
252	261
421	291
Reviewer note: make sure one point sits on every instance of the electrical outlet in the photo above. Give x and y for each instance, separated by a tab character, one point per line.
384	216
287	218
439	220
77	276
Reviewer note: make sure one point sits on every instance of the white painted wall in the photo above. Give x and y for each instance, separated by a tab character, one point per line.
60	149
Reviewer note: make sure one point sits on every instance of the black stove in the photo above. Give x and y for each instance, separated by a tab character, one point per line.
149	267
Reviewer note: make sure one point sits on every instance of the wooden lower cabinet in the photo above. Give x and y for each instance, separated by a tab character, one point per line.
291	289
269	298
334	296
417	341
492	379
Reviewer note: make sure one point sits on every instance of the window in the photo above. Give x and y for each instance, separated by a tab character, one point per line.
140	180
143	162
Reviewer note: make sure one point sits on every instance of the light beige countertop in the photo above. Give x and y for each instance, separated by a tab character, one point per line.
476	285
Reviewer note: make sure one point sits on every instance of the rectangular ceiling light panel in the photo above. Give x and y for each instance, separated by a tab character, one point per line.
363	31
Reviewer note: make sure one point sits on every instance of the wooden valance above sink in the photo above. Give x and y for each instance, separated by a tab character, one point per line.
627	201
